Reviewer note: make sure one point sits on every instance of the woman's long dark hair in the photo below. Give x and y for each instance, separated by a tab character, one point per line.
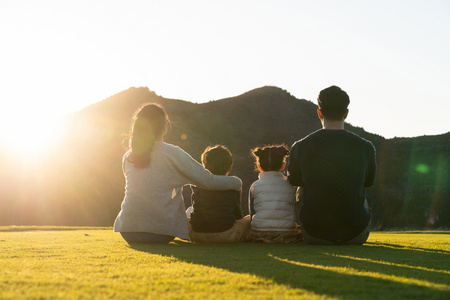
148	125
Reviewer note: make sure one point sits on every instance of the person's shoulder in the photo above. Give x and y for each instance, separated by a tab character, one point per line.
166	146
174	154
362	141
357	137
169	149
255	183
309	137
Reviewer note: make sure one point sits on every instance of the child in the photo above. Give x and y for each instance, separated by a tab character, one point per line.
272	199
216	216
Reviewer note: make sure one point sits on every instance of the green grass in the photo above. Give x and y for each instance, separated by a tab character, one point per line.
95	263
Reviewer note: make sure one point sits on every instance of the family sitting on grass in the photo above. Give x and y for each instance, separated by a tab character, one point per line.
322	200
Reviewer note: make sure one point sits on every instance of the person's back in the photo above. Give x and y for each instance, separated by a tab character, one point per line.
272	199
333	166
217	215
333	176
215	211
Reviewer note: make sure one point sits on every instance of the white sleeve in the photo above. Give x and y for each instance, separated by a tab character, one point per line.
197	175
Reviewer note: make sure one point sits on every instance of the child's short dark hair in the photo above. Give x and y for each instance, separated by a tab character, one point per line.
271	157
217	159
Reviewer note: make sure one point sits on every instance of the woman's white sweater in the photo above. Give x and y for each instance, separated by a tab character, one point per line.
153	201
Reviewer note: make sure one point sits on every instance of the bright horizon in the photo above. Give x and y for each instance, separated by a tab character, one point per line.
392	57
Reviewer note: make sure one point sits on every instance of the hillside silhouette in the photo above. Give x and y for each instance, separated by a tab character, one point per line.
80	182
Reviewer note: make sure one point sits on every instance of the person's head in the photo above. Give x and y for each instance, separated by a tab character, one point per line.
333	103
270	158
217	159
150	123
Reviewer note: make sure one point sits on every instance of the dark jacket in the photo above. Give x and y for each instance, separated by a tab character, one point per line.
333	167
215	211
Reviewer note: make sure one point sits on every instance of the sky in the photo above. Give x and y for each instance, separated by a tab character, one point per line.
390	56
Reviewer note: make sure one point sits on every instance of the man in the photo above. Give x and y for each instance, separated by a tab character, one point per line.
332	167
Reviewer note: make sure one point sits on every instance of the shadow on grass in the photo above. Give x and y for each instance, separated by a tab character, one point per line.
376	270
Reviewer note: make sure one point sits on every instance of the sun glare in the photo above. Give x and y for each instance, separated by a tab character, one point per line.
28	137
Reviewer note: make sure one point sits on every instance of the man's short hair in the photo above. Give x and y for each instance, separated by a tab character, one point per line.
218	159
333	103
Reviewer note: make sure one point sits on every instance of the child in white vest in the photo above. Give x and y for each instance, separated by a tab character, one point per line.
272	199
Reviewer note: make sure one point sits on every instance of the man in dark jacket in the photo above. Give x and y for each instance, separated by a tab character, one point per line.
332	167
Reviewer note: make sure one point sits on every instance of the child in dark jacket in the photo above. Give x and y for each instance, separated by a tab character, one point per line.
216	216
272	199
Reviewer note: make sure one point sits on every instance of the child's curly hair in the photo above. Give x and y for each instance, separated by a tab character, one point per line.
270	157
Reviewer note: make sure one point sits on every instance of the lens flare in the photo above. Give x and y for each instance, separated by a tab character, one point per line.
422	168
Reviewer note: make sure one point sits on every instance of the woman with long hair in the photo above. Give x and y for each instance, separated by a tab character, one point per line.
153	208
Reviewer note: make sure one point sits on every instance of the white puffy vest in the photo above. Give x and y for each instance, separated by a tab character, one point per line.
273	201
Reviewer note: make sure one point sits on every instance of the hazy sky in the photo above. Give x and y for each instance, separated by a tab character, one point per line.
392	57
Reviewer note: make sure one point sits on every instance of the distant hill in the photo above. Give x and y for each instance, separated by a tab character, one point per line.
80	182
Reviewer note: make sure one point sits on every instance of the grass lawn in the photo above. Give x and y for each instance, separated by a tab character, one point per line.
95	263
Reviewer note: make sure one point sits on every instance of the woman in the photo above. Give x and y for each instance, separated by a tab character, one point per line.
153	208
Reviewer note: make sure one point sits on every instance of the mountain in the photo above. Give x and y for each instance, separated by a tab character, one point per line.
80	181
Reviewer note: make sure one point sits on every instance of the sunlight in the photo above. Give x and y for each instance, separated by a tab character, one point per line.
355	272
28	136
388	263
398	246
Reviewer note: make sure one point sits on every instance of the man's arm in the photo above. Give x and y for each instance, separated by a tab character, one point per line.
294	174
371	167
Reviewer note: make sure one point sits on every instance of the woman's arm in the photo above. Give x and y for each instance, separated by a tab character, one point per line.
197	175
